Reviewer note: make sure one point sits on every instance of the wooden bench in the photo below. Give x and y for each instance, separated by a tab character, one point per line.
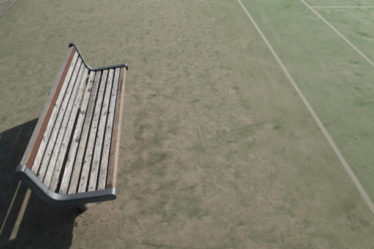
72	156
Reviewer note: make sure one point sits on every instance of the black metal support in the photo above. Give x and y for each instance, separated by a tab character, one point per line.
97	68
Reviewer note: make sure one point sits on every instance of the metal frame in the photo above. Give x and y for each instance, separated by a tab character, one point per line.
58	199
97	68
40	189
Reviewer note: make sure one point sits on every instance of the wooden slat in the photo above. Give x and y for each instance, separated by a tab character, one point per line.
93	179
108	133
114	152
73	186
53	117
76	137
58	123
51	164
36	138
92	138
69	130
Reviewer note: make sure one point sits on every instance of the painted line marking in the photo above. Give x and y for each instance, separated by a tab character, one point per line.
342	7
345	164
340	34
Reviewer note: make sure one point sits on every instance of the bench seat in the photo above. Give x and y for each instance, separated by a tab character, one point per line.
72	155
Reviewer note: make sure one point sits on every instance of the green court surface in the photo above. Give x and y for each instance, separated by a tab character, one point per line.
218	148
356	24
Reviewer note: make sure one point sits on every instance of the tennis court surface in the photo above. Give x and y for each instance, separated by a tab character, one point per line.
247	123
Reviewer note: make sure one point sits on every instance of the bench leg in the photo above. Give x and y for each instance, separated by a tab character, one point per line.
82	207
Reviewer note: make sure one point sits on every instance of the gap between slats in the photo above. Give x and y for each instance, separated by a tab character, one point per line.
93	136
49	160
75	142
81	152
108	133
98	148
71	123
53	124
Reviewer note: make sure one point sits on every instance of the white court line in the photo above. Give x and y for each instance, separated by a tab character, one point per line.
345	164
342	7
336	31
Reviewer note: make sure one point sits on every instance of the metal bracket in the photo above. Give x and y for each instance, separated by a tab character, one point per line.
58	199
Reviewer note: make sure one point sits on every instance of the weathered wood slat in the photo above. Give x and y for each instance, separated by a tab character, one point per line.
114	151
78	165
76	137
51	164
83	181
58	123
37	136
69	130
55	113
108	132
93	179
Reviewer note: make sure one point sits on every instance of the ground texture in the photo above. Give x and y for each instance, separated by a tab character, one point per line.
5	5
218	150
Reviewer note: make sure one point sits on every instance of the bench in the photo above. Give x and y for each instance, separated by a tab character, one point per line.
72	156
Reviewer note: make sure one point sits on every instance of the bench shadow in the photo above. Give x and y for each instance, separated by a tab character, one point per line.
25	220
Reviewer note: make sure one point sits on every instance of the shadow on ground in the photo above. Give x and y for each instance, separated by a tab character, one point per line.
26	221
